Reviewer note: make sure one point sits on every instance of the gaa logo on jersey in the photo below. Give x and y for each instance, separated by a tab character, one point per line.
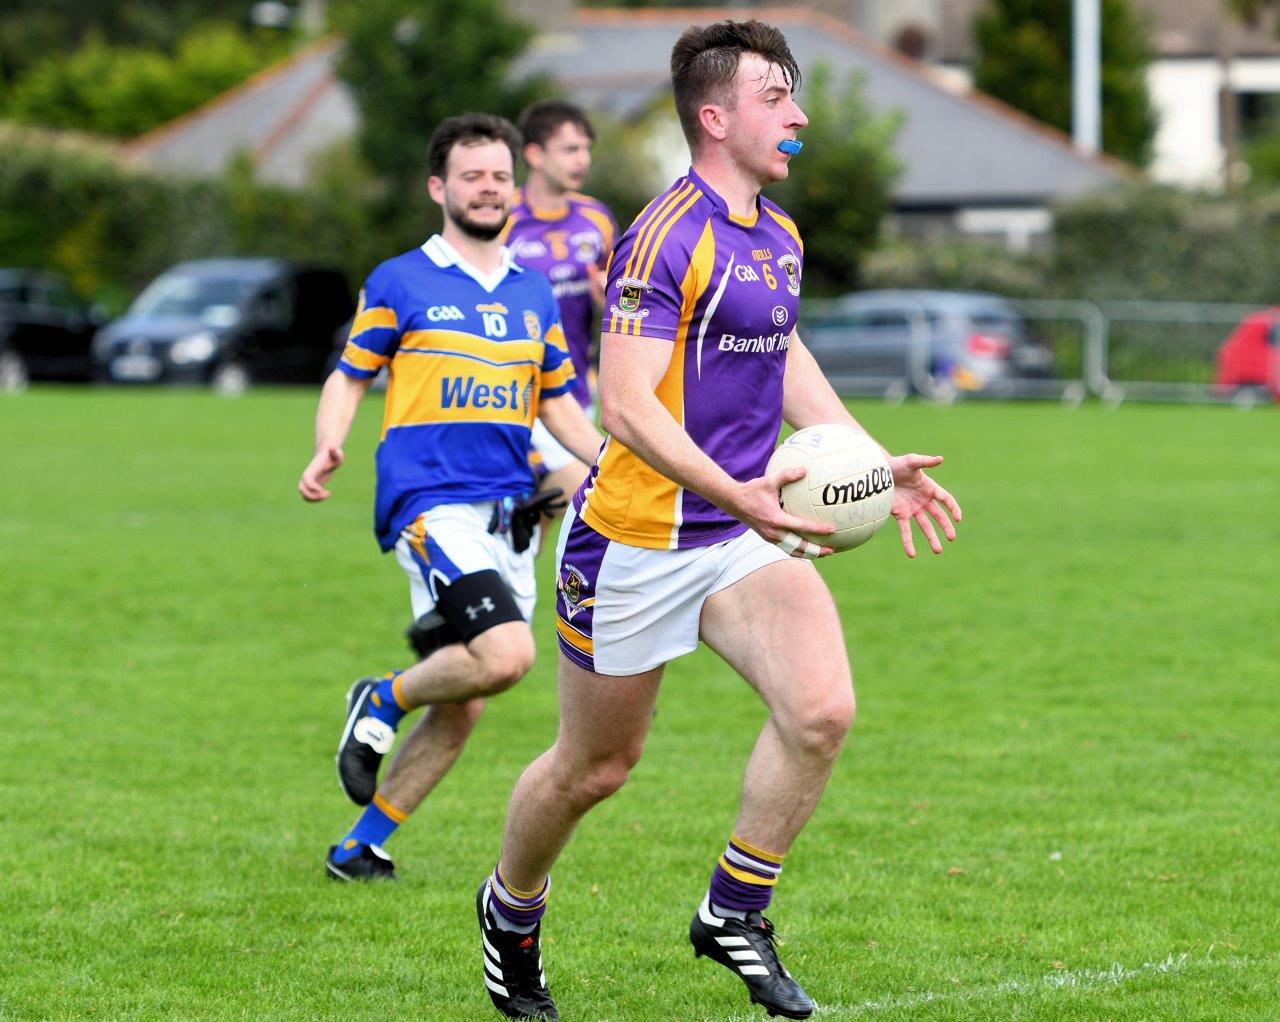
532	326
790	265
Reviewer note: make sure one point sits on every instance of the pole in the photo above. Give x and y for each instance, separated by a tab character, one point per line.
1086	75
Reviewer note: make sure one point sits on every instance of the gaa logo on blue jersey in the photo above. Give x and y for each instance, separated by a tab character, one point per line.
464	392
444	313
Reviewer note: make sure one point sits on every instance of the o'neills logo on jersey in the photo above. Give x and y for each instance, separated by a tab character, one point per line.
876	481
764	343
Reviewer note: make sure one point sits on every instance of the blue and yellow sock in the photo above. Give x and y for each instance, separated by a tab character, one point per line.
377	823
386	701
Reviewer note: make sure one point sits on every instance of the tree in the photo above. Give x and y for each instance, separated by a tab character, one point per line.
123	91
1024	58
412	63
32	30
839	187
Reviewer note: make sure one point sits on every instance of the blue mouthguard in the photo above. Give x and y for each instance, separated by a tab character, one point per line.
790	146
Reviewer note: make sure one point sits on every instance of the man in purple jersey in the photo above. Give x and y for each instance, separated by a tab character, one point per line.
678	536
567	237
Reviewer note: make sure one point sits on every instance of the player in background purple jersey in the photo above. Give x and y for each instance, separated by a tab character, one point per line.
678	535
567	237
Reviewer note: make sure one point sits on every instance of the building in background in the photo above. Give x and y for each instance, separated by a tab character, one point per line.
1214	82
971	165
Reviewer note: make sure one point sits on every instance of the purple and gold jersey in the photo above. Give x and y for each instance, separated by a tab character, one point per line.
468	358
724	292
565	247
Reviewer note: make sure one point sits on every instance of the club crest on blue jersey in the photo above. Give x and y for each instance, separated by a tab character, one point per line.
532	326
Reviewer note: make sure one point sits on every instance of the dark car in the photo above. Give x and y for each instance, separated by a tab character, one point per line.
45	330
228	323
968	341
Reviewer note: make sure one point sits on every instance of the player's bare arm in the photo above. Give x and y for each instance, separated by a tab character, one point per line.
568	423
808	399
334	414
630	370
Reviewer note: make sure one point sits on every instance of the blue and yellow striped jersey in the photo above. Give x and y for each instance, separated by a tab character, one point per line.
468	358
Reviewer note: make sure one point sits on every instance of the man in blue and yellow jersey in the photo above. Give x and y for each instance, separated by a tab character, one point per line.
678	535
475	355
567	237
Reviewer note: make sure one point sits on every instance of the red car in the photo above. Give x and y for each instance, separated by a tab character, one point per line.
1248	357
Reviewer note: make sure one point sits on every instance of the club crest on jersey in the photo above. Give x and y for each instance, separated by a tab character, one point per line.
628	306
573	584
790	265
532	326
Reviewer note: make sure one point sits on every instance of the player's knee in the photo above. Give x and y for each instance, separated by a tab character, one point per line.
822	726
602	780
501	668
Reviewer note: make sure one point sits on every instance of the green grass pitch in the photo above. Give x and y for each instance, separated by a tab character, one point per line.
1061	799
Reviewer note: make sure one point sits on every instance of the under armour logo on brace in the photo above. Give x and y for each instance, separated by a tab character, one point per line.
486	607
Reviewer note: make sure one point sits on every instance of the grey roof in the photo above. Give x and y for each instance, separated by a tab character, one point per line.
956	149
280	117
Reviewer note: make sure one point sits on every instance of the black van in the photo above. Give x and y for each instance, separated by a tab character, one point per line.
45	329
228	323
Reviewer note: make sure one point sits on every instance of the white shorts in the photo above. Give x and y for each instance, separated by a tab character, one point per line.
553	455
622	610
452	540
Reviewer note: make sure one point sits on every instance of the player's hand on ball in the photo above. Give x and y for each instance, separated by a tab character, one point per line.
918	497
318	472
760	509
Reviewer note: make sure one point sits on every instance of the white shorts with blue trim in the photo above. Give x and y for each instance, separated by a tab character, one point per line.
452	540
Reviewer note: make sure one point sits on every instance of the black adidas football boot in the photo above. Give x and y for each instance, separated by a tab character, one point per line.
372	863
365	740
746	948
513	966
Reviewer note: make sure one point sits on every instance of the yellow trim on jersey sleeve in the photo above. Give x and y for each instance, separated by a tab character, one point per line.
656	247
555	337
630	501
787	225
362	358
655	220
372	319
559	376
603	224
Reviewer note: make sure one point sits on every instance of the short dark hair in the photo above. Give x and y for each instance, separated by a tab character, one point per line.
704	64
468	130
539	121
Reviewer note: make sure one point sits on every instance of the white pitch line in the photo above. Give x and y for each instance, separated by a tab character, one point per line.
1068	979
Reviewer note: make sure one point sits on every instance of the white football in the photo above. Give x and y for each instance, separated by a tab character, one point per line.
848	484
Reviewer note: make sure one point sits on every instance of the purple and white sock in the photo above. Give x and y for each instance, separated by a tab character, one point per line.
514	909
743	879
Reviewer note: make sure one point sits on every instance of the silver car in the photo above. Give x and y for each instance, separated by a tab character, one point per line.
936	340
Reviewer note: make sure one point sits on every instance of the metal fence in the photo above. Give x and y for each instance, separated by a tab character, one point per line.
1116	351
